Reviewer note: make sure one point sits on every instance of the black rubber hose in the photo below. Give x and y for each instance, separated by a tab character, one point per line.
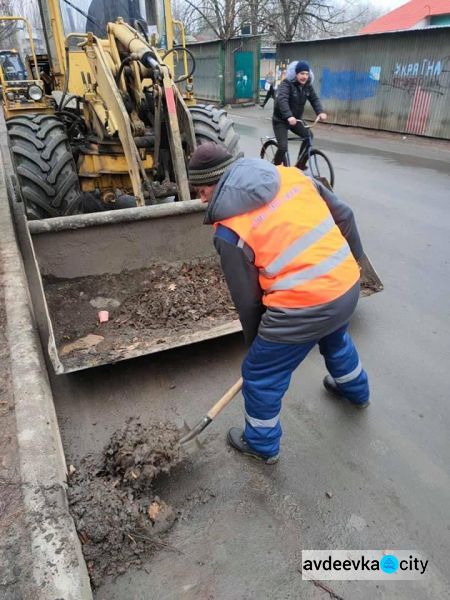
191	72
71	97
123	64
138	25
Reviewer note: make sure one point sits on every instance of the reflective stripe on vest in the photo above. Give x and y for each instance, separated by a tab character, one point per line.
304	275
302	257
298	246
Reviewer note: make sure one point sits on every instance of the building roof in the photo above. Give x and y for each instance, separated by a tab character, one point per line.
408	15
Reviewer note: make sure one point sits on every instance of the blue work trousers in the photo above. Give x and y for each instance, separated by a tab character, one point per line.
267	371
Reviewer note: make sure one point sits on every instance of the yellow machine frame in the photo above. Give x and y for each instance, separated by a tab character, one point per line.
12	107
57	43
88	71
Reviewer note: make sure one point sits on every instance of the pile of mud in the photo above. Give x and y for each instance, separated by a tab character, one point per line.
150	302
177	298
141	311
118	517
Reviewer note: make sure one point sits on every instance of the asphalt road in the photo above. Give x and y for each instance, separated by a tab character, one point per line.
385	469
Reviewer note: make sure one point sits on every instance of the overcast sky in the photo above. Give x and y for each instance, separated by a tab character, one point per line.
388	5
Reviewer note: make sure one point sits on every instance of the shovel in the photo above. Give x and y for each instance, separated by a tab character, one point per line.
213	412
370	281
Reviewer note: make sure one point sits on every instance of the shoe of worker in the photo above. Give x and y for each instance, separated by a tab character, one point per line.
331	386
235	438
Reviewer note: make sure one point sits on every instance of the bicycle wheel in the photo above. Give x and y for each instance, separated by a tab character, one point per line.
269	150
321	168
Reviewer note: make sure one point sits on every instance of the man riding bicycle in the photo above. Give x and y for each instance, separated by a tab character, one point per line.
289	106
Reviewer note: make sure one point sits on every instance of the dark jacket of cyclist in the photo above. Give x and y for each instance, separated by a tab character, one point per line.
288	249
289	106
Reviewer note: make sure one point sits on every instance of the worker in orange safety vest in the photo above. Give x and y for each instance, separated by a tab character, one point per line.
289	250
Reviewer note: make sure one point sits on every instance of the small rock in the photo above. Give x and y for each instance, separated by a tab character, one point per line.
172	386
85	343
329	494
104	303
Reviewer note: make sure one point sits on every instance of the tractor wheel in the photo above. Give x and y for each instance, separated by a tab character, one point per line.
212	124
44	166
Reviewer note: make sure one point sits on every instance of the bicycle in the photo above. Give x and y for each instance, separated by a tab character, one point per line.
308	157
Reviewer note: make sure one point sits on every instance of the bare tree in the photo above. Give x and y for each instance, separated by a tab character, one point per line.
222	17
282	20
288	20
358	14
188	15
14	34
8	29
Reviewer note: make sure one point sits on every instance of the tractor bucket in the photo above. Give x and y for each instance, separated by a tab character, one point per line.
92	276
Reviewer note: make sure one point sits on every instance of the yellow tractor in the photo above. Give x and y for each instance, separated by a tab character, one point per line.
115	130
96	162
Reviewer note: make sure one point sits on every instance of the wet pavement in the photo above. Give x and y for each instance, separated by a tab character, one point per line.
347	479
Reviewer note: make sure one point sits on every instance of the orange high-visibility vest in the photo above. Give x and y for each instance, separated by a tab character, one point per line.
302	257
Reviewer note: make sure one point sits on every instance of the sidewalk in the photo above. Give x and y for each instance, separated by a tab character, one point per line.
40	554
14	539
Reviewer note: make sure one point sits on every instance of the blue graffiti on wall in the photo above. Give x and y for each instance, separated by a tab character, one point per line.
348	85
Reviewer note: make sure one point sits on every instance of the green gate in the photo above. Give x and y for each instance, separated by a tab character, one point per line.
243	75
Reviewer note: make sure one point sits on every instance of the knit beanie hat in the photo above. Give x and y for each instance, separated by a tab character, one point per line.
208	163
302	65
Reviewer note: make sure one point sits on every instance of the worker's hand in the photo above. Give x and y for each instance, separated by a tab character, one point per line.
292	121
323	116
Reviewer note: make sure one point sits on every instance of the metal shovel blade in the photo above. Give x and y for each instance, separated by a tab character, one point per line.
190	434
189	440
370	281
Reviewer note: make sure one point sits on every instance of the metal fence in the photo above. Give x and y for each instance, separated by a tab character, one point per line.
397	81
227	72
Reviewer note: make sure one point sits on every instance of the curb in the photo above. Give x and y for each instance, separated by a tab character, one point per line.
59	570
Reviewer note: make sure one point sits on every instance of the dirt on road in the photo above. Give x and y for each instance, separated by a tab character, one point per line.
119	518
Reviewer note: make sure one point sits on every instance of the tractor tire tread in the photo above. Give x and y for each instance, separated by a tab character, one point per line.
16	133
214	125
44	166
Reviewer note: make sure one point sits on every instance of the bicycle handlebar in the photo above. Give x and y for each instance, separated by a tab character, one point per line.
308	126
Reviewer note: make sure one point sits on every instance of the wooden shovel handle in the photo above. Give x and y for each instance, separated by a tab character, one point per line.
226	399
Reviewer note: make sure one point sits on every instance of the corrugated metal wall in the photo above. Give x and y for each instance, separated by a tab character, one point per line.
397	81
215	77
208	75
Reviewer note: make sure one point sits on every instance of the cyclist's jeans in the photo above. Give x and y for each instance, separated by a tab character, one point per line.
281	130
267	371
